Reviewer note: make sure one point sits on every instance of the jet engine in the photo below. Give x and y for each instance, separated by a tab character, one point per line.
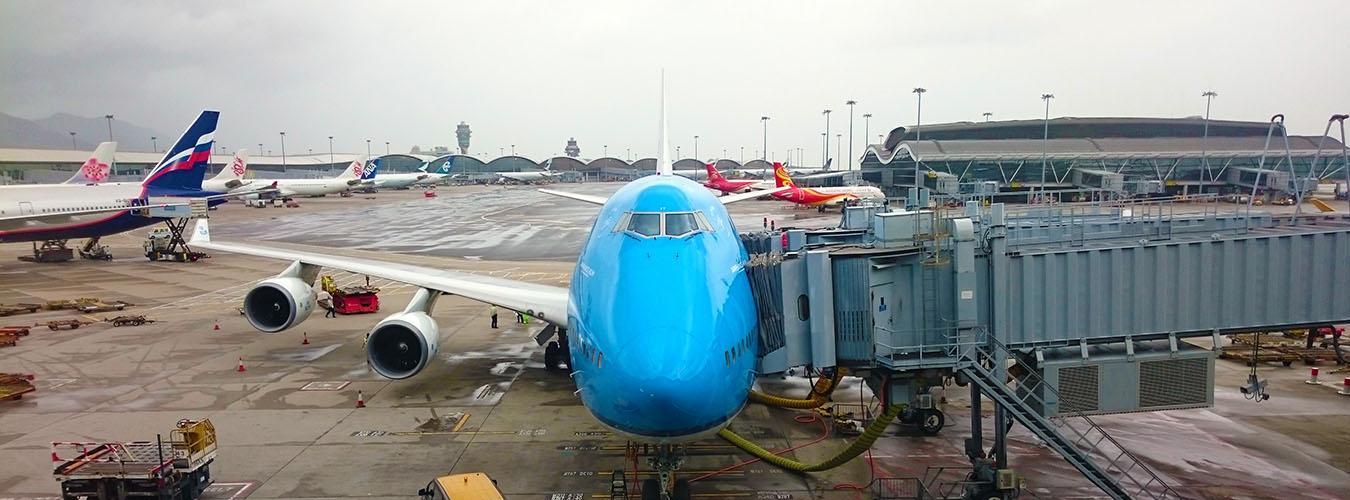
402	344
278	303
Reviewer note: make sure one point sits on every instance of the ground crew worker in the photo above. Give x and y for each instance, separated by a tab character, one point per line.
493	311
520	318
332	307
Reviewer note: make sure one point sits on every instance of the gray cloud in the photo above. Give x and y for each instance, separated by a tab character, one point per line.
535	73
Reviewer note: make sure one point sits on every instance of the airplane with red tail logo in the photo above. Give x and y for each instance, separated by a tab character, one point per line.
822	196
717	182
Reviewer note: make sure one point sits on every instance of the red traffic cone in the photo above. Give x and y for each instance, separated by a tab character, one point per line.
217	327
241	368
360	400
306	340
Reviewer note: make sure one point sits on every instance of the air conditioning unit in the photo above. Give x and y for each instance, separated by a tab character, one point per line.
1112	380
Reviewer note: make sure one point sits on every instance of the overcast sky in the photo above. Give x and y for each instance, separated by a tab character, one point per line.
535	73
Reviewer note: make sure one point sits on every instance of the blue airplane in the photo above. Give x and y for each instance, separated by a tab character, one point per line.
657	325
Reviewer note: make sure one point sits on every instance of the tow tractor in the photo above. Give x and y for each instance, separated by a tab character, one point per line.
471	486
179	469
358	299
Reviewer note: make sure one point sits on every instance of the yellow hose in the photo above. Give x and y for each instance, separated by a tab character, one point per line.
820	394
869	436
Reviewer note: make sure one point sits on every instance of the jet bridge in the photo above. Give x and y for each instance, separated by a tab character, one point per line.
1053	313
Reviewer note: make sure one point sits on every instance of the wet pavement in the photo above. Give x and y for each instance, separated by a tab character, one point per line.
289	428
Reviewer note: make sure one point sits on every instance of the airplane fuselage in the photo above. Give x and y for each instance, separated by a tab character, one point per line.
58	198
663	324
314	187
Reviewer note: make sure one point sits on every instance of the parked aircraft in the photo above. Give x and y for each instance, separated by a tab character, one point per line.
658	324
348	179
532	176
822	196
97	168
91	208
403	181
231	178
718	182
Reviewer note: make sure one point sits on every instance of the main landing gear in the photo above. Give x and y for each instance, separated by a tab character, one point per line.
557	355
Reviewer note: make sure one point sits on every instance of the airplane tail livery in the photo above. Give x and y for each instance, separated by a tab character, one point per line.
781	177
235	170
359	169
184	165
369	169
713	174
97	167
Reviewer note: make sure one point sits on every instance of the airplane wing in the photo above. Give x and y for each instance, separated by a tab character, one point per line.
545	302
733	198
595	200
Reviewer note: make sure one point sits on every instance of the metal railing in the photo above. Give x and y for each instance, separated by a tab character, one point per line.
1086	443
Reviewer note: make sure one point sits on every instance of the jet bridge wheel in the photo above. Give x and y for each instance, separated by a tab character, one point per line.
931	421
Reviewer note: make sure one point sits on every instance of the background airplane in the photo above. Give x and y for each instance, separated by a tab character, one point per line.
92	210
401	181
97	168
529	177
348	179
659	313
231	178
718	182
823	196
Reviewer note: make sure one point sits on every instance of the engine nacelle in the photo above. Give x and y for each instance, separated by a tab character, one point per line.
402	344
278	303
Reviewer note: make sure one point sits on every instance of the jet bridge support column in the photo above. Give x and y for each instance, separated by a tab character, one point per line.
820	293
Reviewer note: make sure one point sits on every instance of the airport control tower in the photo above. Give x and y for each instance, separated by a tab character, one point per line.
462	133
572	149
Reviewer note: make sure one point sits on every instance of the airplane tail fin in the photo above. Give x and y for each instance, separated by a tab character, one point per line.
663	165
235	170
97	167
184	165
781	177
359	169
713	174
827	164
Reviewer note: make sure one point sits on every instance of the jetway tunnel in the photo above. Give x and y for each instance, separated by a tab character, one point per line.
1052	313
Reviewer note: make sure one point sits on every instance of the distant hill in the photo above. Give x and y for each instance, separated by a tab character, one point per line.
53	132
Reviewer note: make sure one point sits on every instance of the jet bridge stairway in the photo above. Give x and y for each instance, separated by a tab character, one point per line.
1082	443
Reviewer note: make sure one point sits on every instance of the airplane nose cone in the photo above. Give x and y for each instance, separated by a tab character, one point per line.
671	385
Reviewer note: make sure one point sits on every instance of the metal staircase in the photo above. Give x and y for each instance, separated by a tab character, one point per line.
1082	443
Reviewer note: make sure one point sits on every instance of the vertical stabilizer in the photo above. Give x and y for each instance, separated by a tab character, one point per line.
663	165
359	170
184	165
780	176
236	169
97	168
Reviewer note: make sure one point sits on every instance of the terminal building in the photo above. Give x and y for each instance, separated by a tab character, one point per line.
1128	156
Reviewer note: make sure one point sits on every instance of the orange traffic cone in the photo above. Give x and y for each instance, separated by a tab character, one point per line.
241	368
217	327
306	341
360	400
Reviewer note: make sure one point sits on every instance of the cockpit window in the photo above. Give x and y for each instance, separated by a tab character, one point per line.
680	224
653	224
648	224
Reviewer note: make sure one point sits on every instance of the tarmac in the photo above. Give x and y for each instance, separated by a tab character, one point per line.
289	428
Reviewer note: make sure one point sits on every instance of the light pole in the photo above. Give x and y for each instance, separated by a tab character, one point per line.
154	145
826	158
918	117
677	153
386	148
1209	96
742	155
72	140
501	151
606	150
765	151
824	148
987	115
628	151
1045	139
330	152
283	151
850	104
513	150
867	125
838	142
696	147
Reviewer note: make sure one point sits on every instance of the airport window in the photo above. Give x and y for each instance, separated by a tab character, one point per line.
803	308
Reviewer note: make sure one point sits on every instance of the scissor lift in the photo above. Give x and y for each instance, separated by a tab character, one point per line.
177	469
